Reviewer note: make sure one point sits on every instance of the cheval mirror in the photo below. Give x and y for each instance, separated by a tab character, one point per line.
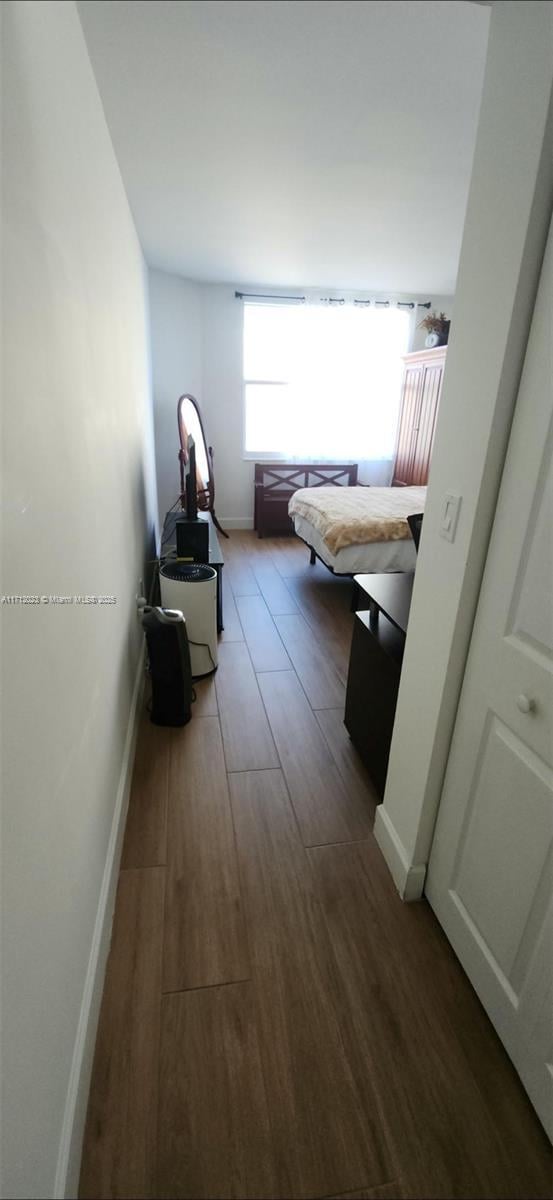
191	425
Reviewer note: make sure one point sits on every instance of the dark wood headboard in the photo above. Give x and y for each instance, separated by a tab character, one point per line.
276	482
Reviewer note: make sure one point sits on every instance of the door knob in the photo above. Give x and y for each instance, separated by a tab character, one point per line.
525	704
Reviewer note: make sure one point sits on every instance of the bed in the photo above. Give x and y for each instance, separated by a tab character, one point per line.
358	530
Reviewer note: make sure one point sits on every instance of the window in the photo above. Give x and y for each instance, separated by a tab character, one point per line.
322	382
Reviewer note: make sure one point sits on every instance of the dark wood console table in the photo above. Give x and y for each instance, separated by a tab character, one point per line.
378	641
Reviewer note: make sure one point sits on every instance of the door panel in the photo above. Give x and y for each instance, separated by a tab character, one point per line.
490	870
531	619
426	423
410	407
498	868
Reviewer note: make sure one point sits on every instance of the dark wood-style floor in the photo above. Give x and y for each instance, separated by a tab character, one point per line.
275	1022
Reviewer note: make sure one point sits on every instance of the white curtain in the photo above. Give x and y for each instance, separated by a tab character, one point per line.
323	381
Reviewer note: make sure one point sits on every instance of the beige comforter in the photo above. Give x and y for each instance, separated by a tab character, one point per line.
348	516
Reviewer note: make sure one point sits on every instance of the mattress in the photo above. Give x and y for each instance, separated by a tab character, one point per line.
373	558
372	512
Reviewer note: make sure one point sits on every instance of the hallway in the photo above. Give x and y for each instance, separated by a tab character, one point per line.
275	1021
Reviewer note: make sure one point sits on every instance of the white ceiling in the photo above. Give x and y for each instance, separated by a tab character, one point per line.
304	143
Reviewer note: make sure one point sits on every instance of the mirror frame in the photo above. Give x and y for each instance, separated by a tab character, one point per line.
205	488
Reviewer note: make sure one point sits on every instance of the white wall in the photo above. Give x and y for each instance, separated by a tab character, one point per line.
78	518
177	367
197	347
509	207
222	400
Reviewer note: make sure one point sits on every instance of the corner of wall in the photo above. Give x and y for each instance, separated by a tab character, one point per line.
408	878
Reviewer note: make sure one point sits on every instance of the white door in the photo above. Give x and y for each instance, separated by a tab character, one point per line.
490	870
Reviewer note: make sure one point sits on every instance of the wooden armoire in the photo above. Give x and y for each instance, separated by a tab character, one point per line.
420	398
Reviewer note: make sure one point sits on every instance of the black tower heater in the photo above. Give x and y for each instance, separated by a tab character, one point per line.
169	657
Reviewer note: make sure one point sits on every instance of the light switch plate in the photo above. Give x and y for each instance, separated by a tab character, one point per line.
450	516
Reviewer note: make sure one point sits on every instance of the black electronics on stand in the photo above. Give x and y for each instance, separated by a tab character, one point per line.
169	659
192	539
191	481
191	531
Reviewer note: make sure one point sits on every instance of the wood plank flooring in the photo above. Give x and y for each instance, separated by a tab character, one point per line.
275	1022
247	738
121	1144
278	598
318	676
324	808
146	829
205	941
264	644
322	1138
380	954
212	1090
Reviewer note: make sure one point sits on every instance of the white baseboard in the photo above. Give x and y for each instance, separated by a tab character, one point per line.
70	1149
236	522
408	878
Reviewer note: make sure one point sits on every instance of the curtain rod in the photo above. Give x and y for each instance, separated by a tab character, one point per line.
334	300
264	296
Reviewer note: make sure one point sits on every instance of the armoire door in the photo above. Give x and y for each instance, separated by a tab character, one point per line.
425	423
410	408
490	870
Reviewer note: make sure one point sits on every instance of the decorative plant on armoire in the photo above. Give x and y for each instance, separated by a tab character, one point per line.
437	329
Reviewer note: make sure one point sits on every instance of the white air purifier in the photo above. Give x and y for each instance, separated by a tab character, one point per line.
192	589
